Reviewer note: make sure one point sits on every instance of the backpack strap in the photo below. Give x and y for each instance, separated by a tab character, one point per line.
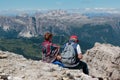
73	44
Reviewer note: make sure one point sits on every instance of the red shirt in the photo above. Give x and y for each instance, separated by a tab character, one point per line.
48	46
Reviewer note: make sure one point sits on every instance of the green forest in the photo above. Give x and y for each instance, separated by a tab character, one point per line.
28	47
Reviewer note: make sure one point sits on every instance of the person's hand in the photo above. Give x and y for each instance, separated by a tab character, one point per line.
58	47
58	57
80	56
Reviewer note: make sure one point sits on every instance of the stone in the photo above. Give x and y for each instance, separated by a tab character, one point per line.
16	67
2	55
104	61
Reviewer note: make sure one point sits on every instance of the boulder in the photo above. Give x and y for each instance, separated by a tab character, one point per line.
3	55
104	61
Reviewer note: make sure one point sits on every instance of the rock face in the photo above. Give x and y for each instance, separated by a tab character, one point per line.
16	67
104	61
55	21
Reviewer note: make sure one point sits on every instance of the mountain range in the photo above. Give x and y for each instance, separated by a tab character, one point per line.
90	26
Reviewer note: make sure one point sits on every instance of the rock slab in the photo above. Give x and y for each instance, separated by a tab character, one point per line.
16	67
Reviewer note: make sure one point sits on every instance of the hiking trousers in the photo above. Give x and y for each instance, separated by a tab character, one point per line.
82	65
58	63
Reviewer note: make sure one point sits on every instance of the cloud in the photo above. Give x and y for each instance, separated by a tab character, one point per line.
107	10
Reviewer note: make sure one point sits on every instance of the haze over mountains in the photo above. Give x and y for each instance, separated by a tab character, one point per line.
79	10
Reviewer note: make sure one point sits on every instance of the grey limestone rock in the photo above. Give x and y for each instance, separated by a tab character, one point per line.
16	67
104	61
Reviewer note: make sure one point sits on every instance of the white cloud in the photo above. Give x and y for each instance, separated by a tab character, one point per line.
106	10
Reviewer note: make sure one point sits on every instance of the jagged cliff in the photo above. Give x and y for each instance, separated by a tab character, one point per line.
104	61
58	21
16	67
105	29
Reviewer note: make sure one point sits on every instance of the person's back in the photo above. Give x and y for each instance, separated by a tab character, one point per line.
49	50
78	55
48	53
69	55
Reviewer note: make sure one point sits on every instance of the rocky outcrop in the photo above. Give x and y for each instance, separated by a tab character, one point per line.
16	67
104	61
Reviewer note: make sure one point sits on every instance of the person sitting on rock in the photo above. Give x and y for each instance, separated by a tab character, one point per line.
71	55
50	51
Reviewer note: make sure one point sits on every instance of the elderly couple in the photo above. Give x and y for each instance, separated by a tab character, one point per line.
70	57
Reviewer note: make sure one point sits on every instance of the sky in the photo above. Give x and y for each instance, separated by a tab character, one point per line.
57	4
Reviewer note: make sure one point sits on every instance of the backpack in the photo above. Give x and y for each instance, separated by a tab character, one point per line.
49	52
69	55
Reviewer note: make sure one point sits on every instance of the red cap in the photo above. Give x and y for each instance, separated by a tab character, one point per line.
74	37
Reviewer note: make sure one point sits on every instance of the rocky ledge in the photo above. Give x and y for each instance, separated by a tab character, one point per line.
16	67
104	61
